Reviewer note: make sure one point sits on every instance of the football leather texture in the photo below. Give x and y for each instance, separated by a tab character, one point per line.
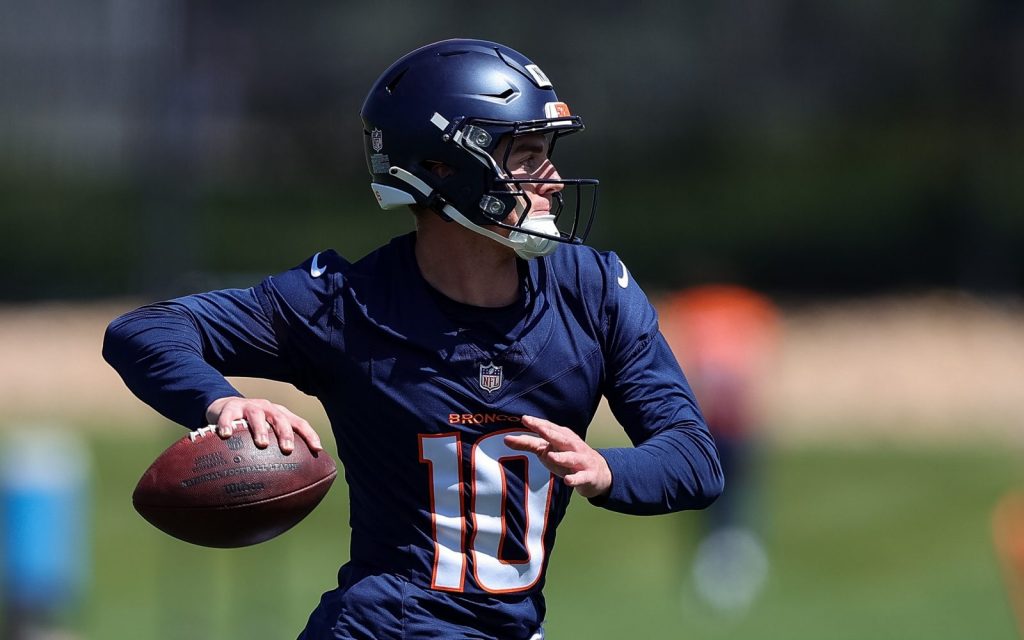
228	493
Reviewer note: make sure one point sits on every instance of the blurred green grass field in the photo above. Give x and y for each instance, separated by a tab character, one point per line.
866	543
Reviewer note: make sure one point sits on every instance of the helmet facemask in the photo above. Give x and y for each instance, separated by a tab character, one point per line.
505	202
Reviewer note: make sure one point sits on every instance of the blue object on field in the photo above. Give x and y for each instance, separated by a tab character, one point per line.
44	505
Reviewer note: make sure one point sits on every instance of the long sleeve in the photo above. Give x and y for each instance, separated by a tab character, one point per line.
174	355
674	463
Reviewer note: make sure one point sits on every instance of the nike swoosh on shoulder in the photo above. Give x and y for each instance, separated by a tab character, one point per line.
623	280
316	269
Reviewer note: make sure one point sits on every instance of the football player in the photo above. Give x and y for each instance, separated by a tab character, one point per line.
727	337
459	365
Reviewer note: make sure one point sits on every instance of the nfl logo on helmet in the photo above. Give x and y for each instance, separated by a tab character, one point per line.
490	377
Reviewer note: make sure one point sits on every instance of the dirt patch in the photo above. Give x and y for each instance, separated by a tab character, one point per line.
53	371
933	367
929	367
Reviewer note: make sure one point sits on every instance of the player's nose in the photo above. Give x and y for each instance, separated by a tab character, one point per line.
549	172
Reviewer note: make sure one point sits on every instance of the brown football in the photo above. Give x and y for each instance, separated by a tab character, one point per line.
228	493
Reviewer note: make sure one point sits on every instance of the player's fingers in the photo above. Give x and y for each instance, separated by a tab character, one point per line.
561	437
305	430
225	422
584	482
282	426
230	419
532	444
576	479
568	459
542	449
592	480
257	419
228	430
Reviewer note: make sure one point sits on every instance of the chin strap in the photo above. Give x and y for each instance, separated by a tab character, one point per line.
525	245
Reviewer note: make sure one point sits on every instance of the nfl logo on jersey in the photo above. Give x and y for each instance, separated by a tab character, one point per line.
490	377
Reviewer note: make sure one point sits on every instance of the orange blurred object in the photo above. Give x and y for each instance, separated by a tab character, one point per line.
1008	531
724	337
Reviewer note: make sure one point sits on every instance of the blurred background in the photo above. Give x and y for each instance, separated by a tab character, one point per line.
858	165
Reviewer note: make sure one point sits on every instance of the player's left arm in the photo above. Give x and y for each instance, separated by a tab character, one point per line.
671	468
674	463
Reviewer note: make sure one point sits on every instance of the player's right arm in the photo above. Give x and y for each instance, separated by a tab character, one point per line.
174	355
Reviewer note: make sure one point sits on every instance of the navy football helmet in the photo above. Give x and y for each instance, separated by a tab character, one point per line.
453	102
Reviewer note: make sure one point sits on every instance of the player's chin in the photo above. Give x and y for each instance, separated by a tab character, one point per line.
534	211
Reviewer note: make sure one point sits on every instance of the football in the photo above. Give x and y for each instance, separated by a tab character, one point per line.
219	492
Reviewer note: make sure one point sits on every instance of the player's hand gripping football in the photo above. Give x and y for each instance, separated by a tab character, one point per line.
566	455
262	416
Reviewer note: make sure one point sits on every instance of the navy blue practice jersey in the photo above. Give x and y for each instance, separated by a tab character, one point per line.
448	523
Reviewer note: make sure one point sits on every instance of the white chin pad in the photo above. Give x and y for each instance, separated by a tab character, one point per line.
529	246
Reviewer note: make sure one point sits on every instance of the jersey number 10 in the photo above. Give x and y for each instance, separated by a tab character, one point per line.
488	495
